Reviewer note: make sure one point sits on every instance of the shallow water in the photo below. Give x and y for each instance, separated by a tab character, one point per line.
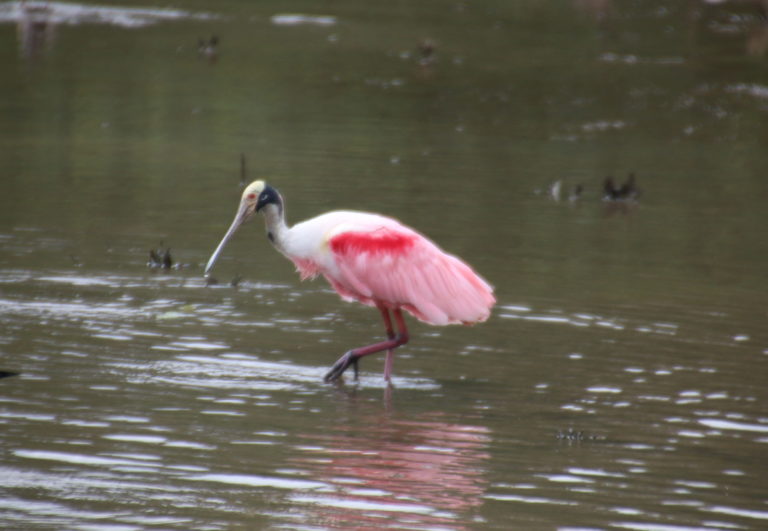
619	384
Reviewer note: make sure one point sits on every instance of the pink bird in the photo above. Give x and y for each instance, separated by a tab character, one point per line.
374	260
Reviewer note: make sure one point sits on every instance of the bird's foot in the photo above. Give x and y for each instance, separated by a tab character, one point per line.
341	365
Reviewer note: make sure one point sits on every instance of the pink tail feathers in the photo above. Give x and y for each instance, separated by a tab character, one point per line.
439	289
451	293
402	269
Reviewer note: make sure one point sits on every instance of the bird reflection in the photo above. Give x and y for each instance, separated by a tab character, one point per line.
426	52
208	49
424	472
599	9
757	37
706	20
746	19
35	28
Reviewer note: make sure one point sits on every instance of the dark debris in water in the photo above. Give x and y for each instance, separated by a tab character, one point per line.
556	193
626	192
426	50
571	435
208	49
8	374
213	281
160	258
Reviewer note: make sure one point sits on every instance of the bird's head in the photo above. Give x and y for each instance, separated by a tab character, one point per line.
256	197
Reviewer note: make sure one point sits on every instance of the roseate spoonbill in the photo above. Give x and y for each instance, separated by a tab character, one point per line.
374	260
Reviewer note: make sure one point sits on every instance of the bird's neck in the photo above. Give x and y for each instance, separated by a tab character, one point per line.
277	229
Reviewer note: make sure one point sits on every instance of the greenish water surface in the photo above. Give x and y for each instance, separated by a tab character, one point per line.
620	382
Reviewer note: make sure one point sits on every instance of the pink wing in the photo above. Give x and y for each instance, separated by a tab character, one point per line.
398	267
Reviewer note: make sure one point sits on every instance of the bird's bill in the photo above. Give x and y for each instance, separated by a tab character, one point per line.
243	213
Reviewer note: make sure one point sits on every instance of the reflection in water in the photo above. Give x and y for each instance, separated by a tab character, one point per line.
138	402
208	49
417	473
757	37
620	384
37	20
599	9
745	19
35	29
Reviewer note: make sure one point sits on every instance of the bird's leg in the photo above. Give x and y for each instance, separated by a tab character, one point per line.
387	322
402	333
390	335
351	357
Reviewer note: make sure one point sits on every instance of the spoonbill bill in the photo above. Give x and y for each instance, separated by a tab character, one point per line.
372	259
